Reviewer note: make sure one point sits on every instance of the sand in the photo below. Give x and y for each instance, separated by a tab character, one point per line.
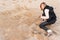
19	20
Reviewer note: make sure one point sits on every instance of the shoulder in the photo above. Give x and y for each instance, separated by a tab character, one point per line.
49	7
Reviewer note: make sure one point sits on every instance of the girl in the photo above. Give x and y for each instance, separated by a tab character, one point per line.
48	15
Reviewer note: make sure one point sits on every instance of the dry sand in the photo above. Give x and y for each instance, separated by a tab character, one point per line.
20	22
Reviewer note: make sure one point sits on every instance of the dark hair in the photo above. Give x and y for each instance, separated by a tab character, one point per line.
42	3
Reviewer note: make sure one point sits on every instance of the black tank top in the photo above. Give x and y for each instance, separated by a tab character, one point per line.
52	15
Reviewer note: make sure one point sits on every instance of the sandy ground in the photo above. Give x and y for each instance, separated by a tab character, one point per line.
21	24
19	20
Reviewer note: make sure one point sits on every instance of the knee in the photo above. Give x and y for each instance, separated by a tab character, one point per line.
41	25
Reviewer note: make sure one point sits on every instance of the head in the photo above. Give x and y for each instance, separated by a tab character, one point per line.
42	5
